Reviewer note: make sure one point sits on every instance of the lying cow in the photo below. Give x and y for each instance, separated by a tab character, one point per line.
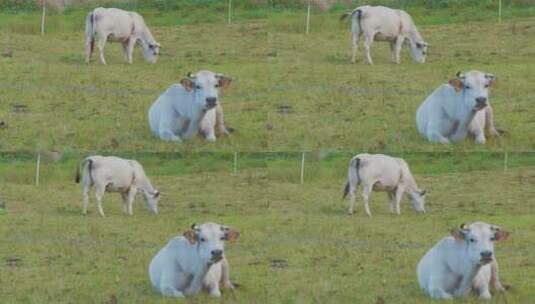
193	261
113	24
378	172
385	24
189	107
458	109
113	174
462	262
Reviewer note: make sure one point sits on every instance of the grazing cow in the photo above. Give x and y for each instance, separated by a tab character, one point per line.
193	261
113	24
184	108
378	172
385	24
114	174
462	262
458	109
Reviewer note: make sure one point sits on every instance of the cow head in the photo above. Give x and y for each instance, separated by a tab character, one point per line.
419	50
206	85
151	51
474	87
151	199
209	239
418	200
479	240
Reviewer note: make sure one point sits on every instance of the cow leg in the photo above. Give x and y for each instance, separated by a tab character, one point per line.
85	193
495	278
100	45
397	48
393	51
131	196
352	199
366	191
435	287
355	41
368	40
124	196
89	44
391	196
489	122
99	194
398	197
220	122
125	51
130	50
479	134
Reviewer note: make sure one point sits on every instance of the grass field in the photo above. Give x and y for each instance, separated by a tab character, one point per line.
297	244
291	91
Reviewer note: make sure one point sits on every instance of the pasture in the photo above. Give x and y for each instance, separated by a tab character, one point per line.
291	91
297	243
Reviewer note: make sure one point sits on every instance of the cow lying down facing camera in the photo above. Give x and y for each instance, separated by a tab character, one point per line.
193	261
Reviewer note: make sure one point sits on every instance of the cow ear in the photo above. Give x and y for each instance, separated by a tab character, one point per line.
457	234
187	84
491	78
501	235
457	84
156	194
423	192
231	235
224	81
191	236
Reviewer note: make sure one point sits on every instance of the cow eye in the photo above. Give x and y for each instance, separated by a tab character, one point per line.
472	240
467	87
203	239
486	86
198	87
217	85
222	238
493	239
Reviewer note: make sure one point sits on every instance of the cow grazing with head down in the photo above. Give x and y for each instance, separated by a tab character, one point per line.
378	172
193	261
189	107
114	174
458	109
113	24
385	24
462	262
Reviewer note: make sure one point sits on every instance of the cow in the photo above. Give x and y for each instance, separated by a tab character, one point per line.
385	24
193	261
462	262
379	172
458	109
114	174
113	24
189	107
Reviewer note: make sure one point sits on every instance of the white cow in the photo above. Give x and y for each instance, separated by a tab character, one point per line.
385	24
193	261
184	108
458	109
378	172
114	174
113	24
462	262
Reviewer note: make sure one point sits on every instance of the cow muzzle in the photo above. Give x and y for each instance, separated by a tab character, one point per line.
481	102
211	102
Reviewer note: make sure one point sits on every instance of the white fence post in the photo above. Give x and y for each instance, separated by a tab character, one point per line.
303	168
43	18
308	17
38	168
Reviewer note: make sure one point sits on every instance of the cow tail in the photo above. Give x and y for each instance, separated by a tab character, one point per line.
353	177
87	164
359	17
90	29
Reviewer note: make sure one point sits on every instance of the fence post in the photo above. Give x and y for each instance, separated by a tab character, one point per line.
43	18
229	10
38	168
308	17
303	168
235	168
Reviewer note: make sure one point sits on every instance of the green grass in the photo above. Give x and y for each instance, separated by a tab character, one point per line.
297	243
334	105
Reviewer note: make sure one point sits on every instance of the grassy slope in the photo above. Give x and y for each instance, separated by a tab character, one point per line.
324	256
335	105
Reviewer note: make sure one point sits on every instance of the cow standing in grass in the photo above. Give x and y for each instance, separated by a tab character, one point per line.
113	174
128	28
190	107
378	172
385	24
193	261
462	262
458	109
